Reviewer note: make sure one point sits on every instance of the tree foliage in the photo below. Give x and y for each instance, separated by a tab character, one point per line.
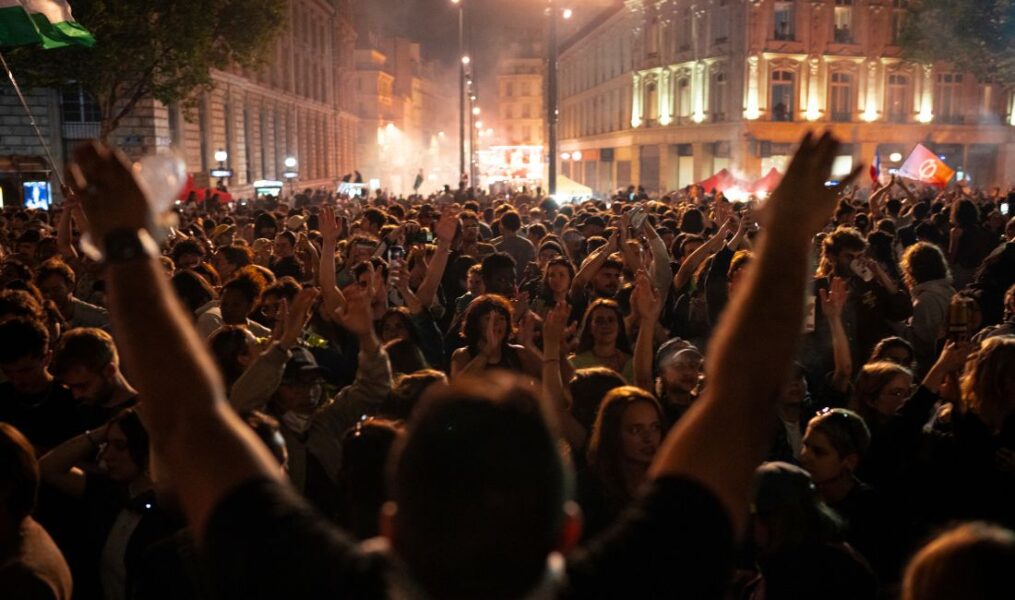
155	48
977	36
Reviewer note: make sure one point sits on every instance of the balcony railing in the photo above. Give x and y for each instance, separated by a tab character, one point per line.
82	130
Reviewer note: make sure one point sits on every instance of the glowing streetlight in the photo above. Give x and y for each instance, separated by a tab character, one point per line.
479	124
466	60
895	157
568	13
475	109
221	156
576	155
290	162
565	156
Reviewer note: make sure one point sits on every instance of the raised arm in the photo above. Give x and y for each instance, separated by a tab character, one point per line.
553	377
832	302
592	265
64	233
205	448
691	263
333	299
726	434
649	306
445	229
59	467
661	269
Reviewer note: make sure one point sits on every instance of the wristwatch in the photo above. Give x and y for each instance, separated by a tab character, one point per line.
124	245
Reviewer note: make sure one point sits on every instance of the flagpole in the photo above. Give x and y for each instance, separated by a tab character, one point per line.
31	120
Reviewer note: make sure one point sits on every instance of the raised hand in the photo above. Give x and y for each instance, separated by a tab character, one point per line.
356	316
112	195
295	317
447	226
802	203
645	299
555	324
834	298
954	356
330	229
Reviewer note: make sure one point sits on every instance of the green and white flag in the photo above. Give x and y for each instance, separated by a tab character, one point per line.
48	23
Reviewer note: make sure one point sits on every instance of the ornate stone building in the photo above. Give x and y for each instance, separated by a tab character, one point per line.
663	93
300	105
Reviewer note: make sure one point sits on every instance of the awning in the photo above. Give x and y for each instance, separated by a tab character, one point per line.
23	164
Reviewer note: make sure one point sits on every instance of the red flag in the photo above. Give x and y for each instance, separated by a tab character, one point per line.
923	165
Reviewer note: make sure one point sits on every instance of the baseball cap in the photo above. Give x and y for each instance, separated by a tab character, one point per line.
300	364
671	348
782	485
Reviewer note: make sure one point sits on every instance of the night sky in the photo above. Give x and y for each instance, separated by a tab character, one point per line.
490	26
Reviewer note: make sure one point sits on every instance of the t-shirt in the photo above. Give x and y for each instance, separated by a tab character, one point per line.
88	315
519	249
263	541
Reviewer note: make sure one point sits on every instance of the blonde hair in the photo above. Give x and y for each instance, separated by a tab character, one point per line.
988	387
971	561
872	379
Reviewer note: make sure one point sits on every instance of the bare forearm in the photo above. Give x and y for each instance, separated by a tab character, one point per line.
843	357
643	354
727	434
64	242
428	289
184	405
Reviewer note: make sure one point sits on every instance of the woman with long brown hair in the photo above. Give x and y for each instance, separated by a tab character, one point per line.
625	438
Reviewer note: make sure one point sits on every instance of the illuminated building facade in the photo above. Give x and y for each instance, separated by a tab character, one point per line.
520	100
403	108
664	93
296	106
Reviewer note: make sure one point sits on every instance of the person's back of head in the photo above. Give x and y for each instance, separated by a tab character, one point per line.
21	338
19	475
365	450
19	303
480	488
511	221
408	390
192	289
973	561
86	347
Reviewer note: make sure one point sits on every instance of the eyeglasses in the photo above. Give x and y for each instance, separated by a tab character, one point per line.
899	393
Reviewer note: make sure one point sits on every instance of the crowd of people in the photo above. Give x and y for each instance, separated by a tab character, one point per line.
467	395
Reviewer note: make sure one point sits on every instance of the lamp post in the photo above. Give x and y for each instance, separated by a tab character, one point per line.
221	156
461	85
551	98
291	173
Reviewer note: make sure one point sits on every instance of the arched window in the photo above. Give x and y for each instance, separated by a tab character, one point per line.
683	98
840	94
717	97
897	102
651	103
783	103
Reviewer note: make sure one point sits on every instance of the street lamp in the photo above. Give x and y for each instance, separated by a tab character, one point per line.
290	172
461	85
551	99
222	172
